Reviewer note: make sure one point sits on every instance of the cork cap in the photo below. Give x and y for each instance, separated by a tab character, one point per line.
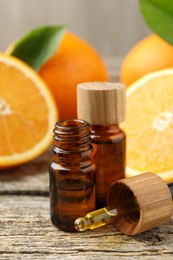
101	103
152	198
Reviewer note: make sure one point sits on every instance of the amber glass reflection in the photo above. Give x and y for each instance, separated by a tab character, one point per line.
72	174
109	144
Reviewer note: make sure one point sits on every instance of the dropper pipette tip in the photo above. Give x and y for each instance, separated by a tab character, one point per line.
81	224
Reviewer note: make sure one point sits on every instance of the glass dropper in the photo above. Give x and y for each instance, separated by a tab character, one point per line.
109	214
103	216
96	219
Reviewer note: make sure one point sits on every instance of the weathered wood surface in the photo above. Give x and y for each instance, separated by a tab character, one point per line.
26	231
30	178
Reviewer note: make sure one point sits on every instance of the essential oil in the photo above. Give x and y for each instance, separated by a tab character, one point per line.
102	104
72	174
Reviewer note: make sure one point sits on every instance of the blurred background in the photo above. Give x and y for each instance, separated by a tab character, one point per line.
111	26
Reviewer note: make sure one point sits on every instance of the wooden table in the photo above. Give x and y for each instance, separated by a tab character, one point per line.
27	233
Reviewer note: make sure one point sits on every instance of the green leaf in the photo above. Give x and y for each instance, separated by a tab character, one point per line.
37	46
159	16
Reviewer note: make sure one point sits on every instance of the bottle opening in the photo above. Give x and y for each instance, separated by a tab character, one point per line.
71	123
71	127
72	135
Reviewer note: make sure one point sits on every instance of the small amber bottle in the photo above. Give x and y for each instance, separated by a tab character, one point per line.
72	174
103	106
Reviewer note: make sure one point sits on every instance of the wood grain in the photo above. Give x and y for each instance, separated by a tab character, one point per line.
30	178
101	103
26	233
85	18
153	198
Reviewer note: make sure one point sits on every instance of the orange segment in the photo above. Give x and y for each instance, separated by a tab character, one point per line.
27	113
149	125
75	61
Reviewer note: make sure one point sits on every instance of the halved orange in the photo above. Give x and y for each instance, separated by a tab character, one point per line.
27	113
149	125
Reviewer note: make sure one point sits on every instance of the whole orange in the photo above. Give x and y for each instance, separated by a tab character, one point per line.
150	54
75	61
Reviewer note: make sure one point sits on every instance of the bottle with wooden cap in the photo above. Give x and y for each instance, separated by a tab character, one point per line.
102	104
135	204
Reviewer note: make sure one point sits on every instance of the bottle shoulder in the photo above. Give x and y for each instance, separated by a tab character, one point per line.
113	134
67	167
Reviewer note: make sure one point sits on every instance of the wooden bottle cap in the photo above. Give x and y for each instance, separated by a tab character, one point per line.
101	103
153	198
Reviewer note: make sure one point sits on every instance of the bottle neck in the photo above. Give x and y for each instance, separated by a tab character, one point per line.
106	133
72	138
105	128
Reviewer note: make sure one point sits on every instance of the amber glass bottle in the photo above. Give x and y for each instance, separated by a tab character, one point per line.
103	106
72	174
109	144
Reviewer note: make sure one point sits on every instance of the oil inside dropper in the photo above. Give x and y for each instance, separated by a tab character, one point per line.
106	215
96	219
